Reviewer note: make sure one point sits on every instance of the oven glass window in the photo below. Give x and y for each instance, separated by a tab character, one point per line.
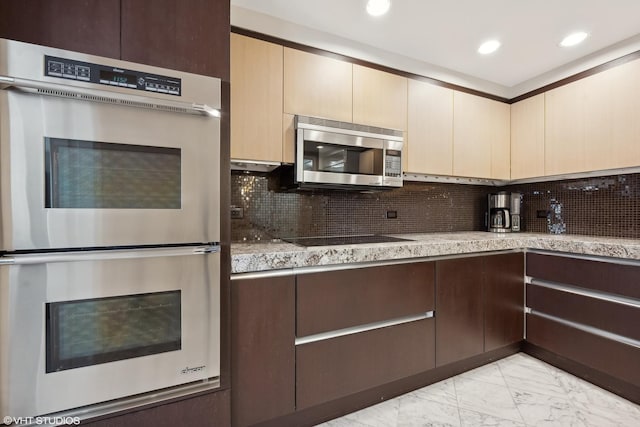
93	331
100	175
322	157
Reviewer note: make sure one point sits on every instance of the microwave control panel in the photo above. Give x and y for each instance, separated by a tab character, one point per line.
111	76
393	163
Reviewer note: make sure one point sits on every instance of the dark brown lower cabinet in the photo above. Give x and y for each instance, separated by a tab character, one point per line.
609	356
584	318
337	367
459	309
503	300
479	305
262	349
340	299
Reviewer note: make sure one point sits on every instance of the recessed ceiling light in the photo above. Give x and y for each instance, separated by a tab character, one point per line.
573	39
489	47
378	7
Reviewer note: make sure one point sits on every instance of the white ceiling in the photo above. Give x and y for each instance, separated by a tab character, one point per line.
439	38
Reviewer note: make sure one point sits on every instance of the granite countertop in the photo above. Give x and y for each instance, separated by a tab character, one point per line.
256	256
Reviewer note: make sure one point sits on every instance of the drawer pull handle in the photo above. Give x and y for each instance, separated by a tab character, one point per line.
362	328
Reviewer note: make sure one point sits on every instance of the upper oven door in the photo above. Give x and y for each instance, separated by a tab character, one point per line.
93	173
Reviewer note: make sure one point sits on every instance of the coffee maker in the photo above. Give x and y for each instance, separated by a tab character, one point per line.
499	212
504	212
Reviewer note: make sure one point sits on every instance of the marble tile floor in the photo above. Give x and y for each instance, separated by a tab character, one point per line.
516	391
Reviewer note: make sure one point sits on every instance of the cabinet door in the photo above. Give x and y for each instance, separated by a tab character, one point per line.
612	123
564	129
78	25
186	35
256	99
262	349
379	98
527	138
317	86
503	300
429	136
459	309
481	137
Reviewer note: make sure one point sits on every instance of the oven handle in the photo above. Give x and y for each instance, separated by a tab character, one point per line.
106	97
100	255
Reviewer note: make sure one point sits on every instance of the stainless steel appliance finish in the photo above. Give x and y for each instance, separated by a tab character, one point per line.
343	155
30	285
90	164
109	232
504	212
499	216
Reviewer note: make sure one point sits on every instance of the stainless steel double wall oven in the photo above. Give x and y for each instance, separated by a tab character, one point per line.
109	230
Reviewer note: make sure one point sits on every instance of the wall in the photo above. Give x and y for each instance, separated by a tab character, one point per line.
605	206
421	207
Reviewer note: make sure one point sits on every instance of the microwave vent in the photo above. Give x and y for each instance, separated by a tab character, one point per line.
326	123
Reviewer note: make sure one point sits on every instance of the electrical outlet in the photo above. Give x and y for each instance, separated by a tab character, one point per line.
542	214
392	214
236	212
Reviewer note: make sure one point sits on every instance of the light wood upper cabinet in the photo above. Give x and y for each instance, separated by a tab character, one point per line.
481	137
317	86
379	98
429	137
256	99
612	118
527	138
564	129
593	124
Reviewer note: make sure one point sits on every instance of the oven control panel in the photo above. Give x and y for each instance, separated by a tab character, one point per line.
111	76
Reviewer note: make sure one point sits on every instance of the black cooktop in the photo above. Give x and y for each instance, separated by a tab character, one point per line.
343	240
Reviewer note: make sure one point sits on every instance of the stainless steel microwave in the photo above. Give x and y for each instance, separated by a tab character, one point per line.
342	155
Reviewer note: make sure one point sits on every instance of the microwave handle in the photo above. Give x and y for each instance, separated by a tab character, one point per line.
51	257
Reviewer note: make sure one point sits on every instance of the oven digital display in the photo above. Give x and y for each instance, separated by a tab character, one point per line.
120	78
109	75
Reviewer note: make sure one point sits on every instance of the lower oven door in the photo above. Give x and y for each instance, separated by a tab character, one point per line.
80	168
84	328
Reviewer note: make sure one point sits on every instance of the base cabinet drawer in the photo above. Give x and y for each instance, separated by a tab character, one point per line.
609	277
614	358
607	315
334	300
336	367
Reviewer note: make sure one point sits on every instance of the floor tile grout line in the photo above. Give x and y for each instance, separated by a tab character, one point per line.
455	391
511	394
486	383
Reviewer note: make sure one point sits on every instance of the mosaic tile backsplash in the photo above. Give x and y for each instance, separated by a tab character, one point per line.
604	206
